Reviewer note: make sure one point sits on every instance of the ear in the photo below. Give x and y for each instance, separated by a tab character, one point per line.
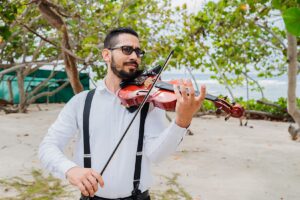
106	55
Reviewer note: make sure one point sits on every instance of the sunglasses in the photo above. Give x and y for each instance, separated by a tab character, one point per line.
127	50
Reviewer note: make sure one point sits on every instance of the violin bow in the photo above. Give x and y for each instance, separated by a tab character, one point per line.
194	79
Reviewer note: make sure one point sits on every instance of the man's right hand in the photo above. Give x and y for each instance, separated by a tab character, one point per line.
85	179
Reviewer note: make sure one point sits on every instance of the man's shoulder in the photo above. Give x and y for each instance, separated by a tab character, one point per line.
78	98
82	94
76	103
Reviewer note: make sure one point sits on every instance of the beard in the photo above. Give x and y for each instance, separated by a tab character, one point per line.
124	75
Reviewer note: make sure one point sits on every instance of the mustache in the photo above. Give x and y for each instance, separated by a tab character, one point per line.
131	62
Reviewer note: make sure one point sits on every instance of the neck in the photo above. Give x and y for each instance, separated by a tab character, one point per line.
112	82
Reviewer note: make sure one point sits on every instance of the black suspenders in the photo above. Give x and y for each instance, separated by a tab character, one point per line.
86	129
86	140
139	152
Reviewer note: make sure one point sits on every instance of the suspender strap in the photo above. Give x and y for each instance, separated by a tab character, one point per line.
86	131
86	140
139	153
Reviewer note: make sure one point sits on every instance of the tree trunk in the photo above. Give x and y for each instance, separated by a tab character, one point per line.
292	83
70	63
51	14
10	90
22	97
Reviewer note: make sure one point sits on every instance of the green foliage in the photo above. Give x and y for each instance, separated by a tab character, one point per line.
40	188
208	105
88	22
252	104
291	18
276	4
7	16
291	14
232	38
174	190
229	38
100	71
17	41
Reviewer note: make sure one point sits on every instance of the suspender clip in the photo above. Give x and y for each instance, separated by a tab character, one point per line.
87	155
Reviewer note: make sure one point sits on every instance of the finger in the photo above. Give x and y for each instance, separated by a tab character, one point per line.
93	182
88	186
188	82
82	189
182	89
186	85
202	95
190	89
176	90
99	178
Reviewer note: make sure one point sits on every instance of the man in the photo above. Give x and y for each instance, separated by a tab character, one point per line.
108	121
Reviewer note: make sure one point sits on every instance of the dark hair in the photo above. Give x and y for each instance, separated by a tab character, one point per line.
111	38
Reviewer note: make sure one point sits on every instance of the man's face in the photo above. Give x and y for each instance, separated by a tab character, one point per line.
122	65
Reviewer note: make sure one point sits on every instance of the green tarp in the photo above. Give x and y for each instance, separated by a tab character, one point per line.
34	79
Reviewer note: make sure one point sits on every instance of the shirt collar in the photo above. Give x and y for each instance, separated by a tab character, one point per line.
101	87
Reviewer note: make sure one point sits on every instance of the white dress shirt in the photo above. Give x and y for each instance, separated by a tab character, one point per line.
108	121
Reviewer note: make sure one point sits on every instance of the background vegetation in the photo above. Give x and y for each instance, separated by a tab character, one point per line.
229	38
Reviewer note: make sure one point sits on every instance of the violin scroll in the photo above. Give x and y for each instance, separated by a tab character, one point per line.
233	110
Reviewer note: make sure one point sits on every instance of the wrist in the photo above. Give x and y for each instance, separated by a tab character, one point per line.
182	123
70	171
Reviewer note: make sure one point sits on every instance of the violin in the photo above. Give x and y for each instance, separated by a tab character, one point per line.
132	93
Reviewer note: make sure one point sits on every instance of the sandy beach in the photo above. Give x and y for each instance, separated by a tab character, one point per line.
220	161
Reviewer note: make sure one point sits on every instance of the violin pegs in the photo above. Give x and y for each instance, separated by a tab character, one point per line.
227	117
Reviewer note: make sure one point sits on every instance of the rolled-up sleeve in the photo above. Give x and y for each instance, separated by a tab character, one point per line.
161	138
59	134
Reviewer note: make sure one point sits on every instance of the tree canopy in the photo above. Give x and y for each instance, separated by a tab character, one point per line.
230	38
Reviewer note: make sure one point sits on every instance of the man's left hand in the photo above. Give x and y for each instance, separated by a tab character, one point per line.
187	103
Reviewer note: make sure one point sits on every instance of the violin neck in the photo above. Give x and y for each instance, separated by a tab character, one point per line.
169	87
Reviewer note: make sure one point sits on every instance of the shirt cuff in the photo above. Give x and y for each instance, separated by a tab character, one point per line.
182	128
178	129
64	167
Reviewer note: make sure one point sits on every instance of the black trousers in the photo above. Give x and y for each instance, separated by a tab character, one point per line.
144	196
99	198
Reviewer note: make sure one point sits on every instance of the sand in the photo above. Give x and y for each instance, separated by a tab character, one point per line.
222	160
